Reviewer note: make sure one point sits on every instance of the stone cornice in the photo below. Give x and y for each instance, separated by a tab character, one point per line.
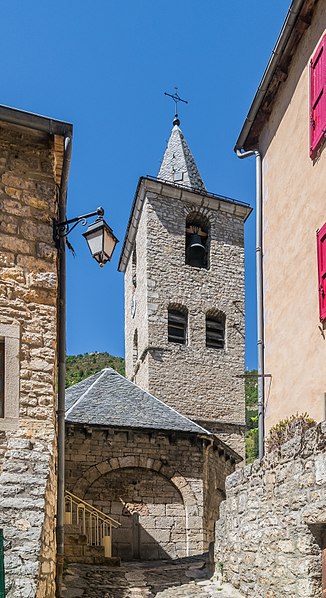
178	192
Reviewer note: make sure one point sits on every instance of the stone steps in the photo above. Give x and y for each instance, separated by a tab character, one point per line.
77	550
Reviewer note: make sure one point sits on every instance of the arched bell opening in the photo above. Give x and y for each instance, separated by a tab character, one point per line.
197	241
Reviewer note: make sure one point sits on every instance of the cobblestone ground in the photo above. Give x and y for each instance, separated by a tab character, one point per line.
185	578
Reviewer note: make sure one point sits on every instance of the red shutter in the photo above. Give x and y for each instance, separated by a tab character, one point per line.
317	97
321	255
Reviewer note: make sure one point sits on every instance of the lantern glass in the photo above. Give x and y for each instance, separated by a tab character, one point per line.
101	241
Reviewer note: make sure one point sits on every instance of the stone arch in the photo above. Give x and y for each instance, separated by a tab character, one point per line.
183	512
193	515
96	471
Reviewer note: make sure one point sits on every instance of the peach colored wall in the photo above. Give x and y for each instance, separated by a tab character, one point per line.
294	208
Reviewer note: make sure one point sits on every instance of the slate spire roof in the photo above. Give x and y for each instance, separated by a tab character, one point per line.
109	399
178	165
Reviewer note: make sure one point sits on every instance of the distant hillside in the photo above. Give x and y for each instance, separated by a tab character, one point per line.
81	366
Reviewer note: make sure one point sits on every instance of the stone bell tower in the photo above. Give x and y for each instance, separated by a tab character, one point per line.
183	260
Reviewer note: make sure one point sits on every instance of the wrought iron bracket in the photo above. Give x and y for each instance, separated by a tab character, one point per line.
64	228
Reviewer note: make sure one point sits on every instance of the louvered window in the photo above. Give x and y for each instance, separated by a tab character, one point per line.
321	256
318	97
177	326
215	332
2	378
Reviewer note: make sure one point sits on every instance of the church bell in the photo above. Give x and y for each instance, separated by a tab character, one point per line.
196	251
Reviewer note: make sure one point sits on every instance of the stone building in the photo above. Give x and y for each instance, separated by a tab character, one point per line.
32	161
286	124
160	475
183	262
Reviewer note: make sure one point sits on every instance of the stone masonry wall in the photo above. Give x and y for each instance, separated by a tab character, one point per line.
150	510
159	487
202	383
135	302
268	537
28	303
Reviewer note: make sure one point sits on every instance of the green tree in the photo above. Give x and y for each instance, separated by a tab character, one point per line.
251	397
79	367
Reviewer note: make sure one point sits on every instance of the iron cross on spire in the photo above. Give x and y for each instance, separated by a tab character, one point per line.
176	98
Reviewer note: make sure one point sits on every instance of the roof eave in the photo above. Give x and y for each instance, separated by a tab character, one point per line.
243	142
34	121
208	436
177	191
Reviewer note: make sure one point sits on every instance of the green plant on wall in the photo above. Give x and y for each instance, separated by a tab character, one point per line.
288	428
251	441
251	396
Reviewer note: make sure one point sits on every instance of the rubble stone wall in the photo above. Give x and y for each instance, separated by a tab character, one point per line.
156	485
269	535
28	304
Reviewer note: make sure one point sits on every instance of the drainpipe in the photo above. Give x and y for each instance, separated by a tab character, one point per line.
259	290
62	370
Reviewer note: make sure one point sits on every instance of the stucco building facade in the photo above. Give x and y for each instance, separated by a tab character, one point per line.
281	126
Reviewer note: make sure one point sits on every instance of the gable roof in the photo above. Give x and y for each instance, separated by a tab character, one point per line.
109	399
178	164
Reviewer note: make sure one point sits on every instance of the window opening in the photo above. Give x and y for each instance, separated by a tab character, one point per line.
135	349
215	332
197	241
134	267
177	326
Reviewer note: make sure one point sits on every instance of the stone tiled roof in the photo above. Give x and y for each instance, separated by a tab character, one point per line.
109	399
178	164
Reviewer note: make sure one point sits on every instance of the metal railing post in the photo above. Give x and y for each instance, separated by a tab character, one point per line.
2	567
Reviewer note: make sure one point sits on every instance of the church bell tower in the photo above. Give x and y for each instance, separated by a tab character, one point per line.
183	261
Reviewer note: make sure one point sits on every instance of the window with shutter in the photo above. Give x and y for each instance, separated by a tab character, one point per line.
321	256
215	332
177	326
318	97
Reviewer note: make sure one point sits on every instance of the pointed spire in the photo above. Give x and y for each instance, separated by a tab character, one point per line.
178	165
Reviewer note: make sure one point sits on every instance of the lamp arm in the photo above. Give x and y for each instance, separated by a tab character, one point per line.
62	229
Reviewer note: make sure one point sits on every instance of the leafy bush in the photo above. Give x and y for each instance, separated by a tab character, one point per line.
251	441
251	395
288	428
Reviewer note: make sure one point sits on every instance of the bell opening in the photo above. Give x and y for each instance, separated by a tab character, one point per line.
196	250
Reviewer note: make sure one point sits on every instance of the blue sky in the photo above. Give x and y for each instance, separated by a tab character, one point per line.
104	66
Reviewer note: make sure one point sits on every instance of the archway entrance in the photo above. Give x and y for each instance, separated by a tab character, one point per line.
150	509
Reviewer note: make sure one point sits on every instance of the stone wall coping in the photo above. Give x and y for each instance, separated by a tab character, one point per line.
302	445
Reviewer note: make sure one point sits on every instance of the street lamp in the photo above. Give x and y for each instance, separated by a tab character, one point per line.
99	236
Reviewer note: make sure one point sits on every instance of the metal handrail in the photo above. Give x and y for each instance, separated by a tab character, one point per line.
2	567
90	508
94	524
